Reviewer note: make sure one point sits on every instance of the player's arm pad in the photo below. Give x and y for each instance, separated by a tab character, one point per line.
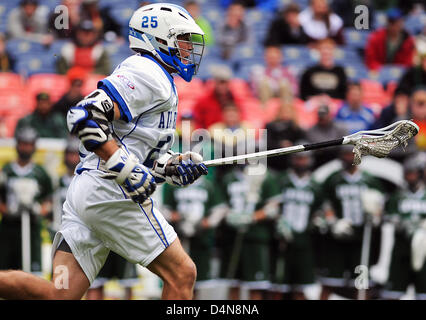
89	119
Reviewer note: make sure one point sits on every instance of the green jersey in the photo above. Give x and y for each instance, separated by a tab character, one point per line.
409	206
300	199
343	191
193	203
237	190
32	174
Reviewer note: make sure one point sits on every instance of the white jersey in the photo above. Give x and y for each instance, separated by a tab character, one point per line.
147	99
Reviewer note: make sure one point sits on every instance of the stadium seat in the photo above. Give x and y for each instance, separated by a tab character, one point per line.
91	83
345	55
9	80
54	84
14	101
389	73
374	93
415	23
355	38
189	90
356	72
30	64
298	53
17	47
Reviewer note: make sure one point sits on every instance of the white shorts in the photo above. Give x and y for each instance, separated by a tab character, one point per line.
98	218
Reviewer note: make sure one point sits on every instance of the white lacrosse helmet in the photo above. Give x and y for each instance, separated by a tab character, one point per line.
169	33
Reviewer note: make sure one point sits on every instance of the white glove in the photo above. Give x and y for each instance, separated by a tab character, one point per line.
137	182
342	228
25	190
179	169
373	202
239	220
284	229
418	247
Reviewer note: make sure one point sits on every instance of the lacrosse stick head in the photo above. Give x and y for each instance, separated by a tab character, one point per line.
381	142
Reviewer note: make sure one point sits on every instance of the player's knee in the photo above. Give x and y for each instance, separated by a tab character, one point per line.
187	274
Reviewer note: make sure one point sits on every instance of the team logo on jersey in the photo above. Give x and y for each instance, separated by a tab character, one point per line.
126	81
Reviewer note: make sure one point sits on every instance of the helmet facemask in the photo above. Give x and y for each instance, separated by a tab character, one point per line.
185	57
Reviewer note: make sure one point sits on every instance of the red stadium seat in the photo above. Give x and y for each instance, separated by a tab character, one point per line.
91	82
10	80
54	84
189	90
14	102
374	93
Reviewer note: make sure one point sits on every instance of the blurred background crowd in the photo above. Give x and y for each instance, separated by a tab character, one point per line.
306	71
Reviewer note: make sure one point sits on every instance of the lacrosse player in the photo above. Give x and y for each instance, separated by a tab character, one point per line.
246	234
343	244
126	127
25	186
195	213
407	210
299	197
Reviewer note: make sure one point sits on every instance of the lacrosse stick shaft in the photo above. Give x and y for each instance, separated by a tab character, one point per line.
26	241
273	153
365	254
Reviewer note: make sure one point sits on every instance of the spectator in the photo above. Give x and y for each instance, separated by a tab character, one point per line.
233	31
106	26
282	132
390	45
43	120
231	128
416	75
353	114
6	60
194	10
85	51
72	22
418	114
29	22
25	187
397	110
208	110
324	130
325	77
273	79
319	22
286	29
76	77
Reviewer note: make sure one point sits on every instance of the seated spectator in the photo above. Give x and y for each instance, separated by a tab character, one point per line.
208	110
63	32
6	60
76	77
29	22
85	51
319	22
286	29
273	79
353	115
416	75
233	31
106	26
397	110
194	10
325	77
43	120
418	114
281	133
324	130
390	45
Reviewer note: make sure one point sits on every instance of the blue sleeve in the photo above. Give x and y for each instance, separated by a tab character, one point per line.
113	93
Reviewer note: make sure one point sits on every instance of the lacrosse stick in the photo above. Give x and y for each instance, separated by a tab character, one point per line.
378	143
